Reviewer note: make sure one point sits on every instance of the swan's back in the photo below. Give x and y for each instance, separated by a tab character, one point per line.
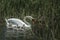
20	22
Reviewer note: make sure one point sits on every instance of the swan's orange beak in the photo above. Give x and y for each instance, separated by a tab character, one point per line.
33	21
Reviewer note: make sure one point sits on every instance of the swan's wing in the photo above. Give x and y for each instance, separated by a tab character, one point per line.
18	21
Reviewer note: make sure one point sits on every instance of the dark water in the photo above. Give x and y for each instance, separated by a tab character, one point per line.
13	35
2	33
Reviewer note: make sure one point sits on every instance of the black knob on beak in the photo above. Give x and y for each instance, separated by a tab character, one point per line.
33	21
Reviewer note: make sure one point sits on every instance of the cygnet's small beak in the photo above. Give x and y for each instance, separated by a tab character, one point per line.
33	21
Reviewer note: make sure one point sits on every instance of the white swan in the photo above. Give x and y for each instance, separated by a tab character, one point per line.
19	22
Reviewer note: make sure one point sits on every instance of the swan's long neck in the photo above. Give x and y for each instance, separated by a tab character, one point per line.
26	21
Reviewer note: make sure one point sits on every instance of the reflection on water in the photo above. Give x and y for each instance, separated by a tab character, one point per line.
11	34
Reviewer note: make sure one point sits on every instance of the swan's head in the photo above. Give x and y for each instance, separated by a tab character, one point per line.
31	18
